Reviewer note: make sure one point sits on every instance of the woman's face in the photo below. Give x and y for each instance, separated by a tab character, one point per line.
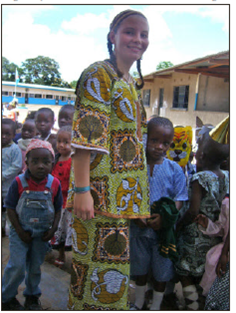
131	39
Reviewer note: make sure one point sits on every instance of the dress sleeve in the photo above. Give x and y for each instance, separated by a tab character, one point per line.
93	110
204	180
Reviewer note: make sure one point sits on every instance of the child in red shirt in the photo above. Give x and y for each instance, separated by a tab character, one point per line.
62	240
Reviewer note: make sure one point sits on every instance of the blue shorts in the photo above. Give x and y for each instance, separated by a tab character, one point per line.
144	256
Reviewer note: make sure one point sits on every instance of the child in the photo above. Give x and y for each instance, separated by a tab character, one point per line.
219	228
208	188
27	133
44	121
11	161
218	296
33	203
166	179
62	239
65	116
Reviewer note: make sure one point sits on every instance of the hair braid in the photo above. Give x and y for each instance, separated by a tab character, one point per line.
140	75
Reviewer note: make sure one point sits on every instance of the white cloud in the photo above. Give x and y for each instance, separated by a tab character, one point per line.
74	45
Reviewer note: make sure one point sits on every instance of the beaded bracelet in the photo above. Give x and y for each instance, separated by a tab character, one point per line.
81	189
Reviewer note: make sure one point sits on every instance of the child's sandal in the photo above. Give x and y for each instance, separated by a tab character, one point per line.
59	263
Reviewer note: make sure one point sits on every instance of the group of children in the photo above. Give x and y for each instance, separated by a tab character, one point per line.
191	257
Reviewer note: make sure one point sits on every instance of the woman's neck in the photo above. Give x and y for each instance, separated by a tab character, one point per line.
124	67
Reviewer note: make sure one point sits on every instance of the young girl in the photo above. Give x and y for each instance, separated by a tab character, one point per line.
44	121
110	184
166	179
208	188
33	203
65	116
61	170
27	133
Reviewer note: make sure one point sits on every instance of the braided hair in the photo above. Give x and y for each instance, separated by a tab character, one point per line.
114	27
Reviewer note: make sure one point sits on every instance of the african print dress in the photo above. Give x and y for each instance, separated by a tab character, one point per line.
110	122
192	244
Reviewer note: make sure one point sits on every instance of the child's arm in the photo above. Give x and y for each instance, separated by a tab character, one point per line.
193	210
50	233
83	202
13	217
58	202
16	165
178	205
224	258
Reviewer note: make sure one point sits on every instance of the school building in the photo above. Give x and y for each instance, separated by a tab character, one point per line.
185	91
37	94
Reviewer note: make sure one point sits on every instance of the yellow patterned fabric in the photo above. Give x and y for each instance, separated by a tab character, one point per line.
111	122
100	276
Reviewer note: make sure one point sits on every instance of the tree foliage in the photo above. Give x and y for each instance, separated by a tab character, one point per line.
9	70
41	70
164	64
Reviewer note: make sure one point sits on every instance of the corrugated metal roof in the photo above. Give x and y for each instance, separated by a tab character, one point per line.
23	85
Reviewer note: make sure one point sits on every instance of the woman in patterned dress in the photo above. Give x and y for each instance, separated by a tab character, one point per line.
108	181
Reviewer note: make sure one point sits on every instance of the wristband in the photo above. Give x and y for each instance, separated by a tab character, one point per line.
81	189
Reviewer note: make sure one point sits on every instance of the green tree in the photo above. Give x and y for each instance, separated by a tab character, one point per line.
164	64
9	70
73	84
41	70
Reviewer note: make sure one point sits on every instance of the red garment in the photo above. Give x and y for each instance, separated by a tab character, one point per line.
61	171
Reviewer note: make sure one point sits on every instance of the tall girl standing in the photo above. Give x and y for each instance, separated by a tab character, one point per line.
110	174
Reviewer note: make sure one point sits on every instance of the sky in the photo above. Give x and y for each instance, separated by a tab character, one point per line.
75	35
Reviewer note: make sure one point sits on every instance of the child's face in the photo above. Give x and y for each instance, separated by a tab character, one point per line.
7	134
64	143
39	162
159	140
28	130
131	38
65	118
44	123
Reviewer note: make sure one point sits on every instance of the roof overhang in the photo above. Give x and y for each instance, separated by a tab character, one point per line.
216	65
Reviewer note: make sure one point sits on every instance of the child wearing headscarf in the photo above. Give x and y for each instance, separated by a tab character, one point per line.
33	203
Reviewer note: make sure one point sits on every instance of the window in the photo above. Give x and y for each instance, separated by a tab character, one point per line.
161	97
49	97
18	94
180	97
31	95
38	96
5	93
146	97
63	98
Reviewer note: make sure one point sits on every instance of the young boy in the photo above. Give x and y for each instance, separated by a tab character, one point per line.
44	121
11	161
33	203
65	116
166	179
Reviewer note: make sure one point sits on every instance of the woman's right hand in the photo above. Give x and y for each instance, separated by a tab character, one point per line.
84	206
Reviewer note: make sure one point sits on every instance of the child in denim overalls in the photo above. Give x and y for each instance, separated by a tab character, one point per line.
33	203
